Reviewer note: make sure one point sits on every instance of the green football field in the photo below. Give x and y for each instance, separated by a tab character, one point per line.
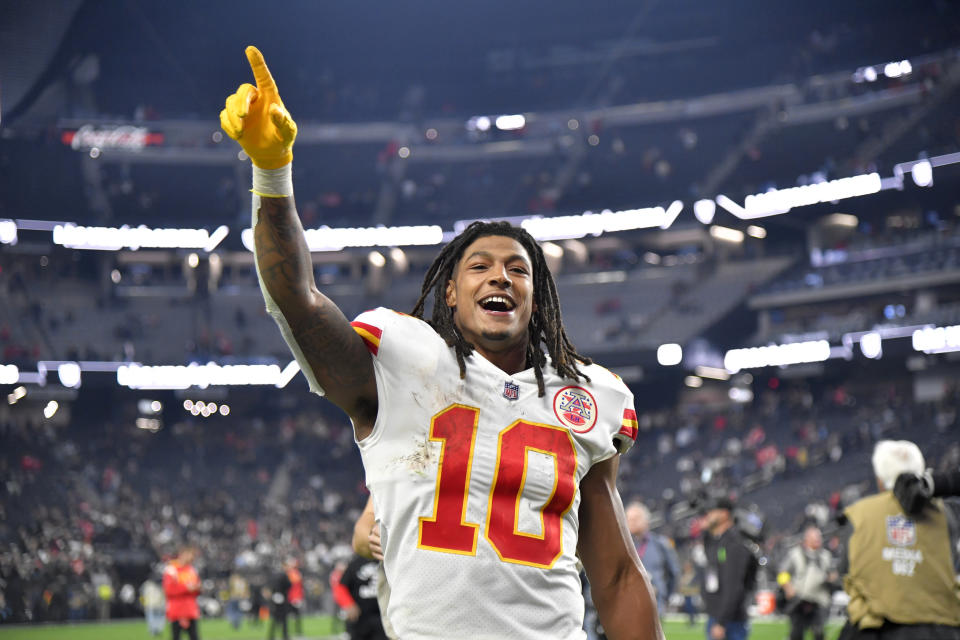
314	628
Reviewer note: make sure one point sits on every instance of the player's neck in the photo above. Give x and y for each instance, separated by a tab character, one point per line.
510	361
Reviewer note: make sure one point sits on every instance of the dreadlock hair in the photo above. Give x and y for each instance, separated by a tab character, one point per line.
546	324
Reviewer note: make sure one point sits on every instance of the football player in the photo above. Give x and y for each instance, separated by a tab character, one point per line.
490	445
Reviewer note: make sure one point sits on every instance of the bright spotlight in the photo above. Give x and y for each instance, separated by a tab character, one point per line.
9	374
726	234
922	173
376	259
224	409
69	374
552	250
871	345
115	276
193	260
694	382
156	406
510	122
756	232
50	409
187	404
16	395
404	152
669	354
704	210
399	260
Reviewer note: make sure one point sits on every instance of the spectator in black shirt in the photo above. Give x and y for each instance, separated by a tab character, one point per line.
730	573
279	605
360	578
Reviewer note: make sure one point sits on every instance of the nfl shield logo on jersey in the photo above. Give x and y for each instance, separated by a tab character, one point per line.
511	391
901	531
575	408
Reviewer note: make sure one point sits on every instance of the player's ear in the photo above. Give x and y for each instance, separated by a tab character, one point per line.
451	294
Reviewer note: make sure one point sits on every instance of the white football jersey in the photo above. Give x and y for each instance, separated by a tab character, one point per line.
475	484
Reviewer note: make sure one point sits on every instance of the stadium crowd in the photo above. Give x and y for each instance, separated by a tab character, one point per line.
91	507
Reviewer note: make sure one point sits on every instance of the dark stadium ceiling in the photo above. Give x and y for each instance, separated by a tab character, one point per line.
181	58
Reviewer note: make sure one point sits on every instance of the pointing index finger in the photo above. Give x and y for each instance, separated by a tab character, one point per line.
260	71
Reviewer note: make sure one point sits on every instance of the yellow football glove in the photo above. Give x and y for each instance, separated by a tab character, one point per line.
256	118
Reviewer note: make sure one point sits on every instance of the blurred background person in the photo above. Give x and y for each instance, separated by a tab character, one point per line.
279	605
154	605
730	574
900	569
360	577
295	595
807	577
238	591
656	552
690	590
366	543
181	586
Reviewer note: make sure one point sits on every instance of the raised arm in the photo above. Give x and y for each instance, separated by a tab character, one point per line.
331	354
620	588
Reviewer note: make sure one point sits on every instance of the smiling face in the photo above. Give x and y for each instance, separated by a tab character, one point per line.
491	294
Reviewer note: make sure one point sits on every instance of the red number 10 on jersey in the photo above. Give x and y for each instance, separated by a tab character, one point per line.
447	529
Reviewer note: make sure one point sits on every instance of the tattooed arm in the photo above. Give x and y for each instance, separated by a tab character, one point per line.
330	353
335	353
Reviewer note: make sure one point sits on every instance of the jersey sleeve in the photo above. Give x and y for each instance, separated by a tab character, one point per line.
404	351
386	334
624	438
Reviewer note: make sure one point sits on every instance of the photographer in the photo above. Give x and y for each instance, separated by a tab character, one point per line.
806	577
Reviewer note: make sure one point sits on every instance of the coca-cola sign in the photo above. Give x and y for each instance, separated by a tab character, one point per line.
120	137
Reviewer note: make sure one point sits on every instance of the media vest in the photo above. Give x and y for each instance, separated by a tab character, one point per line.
901	569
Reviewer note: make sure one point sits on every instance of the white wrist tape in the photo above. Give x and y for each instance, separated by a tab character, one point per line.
273	183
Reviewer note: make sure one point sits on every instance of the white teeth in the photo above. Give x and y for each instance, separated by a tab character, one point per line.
500	299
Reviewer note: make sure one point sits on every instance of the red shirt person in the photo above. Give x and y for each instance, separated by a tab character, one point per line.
181	585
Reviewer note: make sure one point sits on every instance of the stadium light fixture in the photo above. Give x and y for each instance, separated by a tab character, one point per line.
670	354
777	355
511	122
756	232
136	376
288	373
694	382
8	232
376	259
596	224
670	215
726	234
871	345
10	374
17	394
328	239
937	339
778	201
74	236
922	174
69	374
552	250
704	210
50	409
714	373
